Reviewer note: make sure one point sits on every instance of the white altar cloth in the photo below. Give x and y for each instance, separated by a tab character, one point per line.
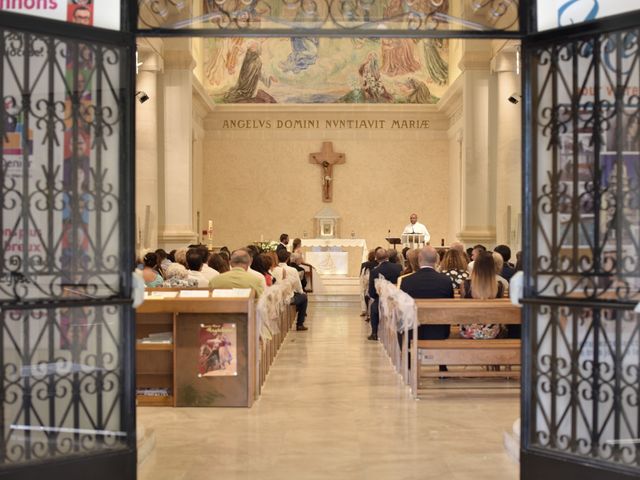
337	242
329	263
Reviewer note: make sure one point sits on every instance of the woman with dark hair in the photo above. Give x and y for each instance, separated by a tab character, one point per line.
171	256
226	256
151	272
274	258
259	265
267	262
518	262
454	266
163	260
483	285
218	263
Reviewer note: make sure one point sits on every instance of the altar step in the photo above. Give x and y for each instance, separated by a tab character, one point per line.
337	288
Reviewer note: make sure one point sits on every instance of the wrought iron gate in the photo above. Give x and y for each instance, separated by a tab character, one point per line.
581	385
66	124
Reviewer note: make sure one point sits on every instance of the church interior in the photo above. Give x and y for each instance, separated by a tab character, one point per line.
451	155
430	127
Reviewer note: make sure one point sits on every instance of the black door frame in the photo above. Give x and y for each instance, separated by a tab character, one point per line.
121	463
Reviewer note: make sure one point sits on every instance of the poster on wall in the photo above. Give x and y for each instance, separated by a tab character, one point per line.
217	354
562	13
97	13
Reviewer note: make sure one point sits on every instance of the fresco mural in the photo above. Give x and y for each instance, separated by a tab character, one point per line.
326	70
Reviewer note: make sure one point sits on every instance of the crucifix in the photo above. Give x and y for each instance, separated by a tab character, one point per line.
327	158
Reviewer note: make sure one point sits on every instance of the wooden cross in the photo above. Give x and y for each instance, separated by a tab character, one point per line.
327	158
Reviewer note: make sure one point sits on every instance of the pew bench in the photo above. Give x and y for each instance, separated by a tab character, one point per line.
460	351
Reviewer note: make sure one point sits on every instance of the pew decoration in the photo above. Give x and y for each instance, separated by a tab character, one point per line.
270	307
396	306
401	314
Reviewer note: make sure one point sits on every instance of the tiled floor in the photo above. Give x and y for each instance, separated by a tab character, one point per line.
333	408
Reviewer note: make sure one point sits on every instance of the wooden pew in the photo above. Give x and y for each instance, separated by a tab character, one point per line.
459	351
157	364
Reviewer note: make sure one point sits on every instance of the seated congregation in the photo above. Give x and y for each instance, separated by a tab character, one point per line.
448	302
249	267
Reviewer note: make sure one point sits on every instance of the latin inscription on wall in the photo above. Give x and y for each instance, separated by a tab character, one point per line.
327	124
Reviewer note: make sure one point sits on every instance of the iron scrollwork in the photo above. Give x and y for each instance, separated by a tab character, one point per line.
584	337
588	187
62	381
327	15
60	120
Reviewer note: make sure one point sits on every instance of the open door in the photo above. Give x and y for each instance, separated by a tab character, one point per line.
66	338
581	382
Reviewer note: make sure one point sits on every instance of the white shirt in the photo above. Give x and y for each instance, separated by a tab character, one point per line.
199	277
418	228
209	272
285	273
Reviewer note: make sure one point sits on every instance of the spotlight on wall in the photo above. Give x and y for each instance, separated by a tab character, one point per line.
142	96
515	98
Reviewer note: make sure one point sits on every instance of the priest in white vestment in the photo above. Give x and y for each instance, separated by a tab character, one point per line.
415	227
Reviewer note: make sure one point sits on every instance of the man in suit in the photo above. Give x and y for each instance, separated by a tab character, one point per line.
365	273
284	241
391	272
427	283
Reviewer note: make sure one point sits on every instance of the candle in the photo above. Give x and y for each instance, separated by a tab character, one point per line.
261	237
210	224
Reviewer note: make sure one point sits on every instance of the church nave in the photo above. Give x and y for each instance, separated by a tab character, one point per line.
332	407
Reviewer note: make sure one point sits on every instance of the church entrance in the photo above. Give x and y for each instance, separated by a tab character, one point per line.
65	306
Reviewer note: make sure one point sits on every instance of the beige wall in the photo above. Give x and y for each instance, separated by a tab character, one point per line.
462	175
259	182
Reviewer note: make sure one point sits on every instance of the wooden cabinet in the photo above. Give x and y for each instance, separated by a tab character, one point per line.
193	369
155	361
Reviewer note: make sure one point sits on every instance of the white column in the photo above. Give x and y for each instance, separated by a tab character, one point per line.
177	228
478	219
147	139
508	153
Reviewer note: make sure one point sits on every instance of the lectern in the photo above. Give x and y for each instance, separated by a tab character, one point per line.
413	240
393	241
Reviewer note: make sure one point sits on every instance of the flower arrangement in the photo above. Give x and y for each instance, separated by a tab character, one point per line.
267	246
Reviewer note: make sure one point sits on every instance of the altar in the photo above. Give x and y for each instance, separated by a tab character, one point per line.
335	256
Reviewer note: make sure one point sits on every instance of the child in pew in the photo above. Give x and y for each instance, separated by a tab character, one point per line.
483	285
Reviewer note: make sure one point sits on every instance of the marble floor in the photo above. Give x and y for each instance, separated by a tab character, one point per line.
333	408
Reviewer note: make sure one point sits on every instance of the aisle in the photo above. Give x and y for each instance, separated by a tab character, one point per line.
332	408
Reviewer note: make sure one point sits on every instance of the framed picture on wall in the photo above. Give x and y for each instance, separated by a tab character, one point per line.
327	228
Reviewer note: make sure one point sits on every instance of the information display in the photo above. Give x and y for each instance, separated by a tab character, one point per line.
95	13
562	13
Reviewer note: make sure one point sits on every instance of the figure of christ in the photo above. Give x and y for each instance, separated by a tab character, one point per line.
327	158
327	179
